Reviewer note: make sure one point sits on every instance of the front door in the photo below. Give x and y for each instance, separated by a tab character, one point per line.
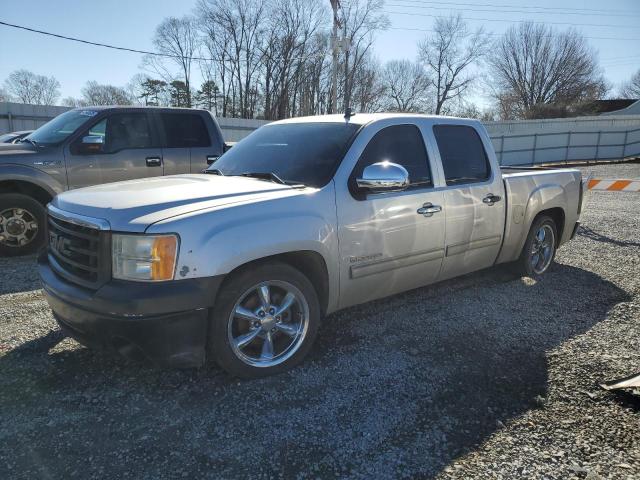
473	195
386	246
128	151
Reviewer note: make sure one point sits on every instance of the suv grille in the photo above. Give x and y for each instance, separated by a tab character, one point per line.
81	254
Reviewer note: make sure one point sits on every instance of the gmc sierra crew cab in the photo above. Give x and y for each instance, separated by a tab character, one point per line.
301	218
94	145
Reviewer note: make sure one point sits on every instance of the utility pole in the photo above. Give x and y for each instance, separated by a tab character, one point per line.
335	5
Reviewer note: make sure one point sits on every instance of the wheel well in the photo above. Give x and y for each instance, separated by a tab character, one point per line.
26	188
310	263
557	214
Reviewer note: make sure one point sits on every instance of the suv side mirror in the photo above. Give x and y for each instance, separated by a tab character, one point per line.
383	177
90	144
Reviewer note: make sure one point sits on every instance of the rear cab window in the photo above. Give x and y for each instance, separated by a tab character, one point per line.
463	156
184	130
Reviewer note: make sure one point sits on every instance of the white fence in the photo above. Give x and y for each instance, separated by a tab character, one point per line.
566	140
20	116
522	142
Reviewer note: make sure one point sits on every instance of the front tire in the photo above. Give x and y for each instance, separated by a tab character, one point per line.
539	249
22	224
264	322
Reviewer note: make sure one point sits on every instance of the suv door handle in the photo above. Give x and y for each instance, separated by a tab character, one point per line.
154	161
211	159
491	199
428	209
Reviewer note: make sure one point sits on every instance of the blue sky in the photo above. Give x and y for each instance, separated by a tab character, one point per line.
132	23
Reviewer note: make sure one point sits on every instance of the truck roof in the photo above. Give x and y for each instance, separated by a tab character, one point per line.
364	118
140	107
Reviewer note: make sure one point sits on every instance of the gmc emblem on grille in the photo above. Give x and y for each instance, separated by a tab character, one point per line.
59	244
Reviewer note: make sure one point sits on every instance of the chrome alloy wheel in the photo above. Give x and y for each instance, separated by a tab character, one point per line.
542	249
18	227
268	324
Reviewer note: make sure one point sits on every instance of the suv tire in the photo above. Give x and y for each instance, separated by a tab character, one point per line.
22	224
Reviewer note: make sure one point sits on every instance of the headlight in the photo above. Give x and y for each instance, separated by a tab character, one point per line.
146	258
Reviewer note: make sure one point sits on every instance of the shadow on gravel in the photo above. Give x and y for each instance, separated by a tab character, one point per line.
395	388
598	237
18	274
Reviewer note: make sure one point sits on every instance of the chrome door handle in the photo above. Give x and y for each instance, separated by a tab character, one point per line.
428	209
491	199
154	161
211	159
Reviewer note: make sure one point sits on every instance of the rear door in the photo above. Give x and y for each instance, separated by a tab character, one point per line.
129	150
473	196
188	146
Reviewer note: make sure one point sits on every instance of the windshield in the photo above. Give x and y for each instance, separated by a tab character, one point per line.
306	153
58	129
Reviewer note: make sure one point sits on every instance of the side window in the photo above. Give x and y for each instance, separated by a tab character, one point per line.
185	130
463	156
401	144
119	131
99	129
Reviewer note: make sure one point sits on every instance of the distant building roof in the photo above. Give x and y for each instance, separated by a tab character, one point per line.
632	107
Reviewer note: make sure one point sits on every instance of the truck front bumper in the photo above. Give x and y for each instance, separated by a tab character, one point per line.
164	322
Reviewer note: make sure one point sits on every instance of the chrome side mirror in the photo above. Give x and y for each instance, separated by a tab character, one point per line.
383	177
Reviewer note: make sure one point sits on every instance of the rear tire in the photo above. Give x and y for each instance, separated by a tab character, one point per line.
22	224
539	249
266	337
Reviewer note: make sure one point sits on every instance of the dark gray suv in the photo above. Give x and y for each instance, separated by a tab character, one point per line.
94	145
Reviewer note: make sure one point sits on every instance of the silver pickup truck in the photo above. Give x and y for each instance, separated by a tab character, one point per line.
300	219
90	146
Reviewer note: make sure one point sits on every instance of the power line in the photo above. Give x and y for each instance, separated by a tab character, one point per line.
595	10
502	34
134	50
429	7
514	21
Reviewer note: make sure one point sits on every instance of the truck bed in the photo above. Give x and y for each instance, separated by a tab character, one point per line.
528	187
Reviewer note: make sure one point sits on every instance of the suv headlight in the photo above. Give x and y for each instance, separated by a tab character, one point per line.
144	258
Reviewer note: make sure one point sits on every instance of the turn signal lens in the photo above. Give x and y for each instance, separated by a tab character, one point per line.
145	258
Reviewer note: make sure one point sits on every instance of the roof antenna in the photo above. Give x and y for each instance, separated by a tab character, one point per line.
348	113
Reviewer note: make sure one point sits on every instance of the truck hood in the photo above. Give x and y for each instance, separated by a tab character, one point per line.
16	149
134	205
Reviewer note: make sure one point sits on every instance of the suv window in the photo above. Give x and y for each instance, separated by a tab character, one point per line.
121	131
185	130
401	144
463	156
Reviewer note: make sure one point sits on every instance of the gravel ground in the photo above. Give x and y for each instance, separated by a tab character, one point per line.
485	376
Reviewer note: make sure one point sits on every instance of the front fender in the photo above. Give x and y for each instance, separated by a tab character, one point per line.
218	242
24	173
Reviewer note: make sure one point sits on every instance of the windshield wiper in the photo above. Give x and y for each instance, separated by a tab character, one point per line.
27	139
270	176
213	171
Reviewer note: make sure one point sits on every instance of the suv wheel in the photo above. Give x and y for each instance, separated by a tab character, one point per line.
22	220
264	322
539	249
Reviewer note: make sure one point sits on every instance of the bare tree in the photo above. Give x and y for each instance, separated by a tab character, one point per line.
448	55
360	20
631	89
4	96
177	37
235	31
406	86
535	68
94	93
27	87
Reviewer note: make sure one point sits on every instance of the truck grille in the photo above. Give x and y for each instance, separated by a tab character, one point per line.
79	253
